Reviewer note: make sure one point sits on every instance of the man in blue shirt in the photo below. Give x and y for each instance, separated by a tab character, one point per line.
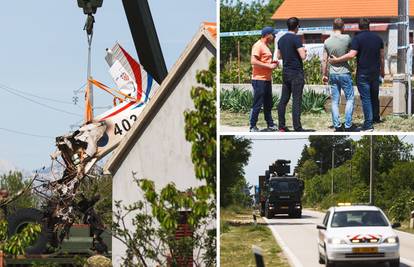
292	52
368	47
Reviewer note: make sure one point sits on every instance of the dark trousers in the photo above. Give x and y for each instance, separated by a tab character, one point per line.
262	96
293	84
368	87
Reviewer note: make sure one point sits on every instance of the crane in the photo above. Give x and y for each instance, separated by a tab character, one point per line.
79	151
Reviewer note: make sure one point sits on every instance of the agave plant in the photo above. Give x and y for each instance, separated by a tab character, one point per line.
313	102
237	100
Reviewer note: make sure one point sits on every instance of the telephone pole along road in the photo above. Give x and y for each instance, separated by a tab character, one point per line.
298	237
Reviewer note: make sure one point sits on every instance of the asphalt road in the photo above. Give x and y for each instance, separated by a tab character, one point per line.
297	238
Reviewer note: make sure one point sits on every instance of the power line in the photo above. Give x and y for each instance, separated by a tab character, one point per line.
24	133
37	96
39	103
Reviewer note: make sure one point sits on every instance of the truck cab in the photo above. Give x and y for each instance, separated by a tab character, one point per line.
279	192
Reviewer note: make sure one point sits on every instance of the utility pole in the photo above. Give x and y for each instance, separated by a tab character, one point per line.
332	171
350	166
238	60
400	79
371	163
402	36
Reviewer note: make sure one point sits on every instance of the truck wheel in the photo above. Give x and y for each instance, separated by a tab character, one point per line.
321	259
395	263
262	213
298	214
20	219
268	214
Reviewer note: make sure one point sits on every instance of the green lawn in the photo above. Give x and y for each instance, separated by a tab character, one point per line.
318	122
238	234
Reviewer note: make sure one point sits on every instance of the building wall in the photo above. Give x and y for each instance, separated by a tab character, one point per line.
161	153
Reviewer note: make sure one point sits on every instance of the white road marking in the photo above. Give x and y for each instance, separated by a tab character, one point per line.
293	260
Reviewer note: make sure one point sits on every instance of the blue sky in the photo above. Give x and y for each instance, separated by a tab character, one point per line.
44	52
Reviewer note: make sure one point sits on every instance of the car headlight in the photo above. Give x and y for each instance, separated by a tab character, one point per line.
336	241
391	240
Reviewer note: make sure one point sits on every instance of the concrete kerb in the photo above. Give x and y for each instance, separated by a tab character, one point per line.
292	259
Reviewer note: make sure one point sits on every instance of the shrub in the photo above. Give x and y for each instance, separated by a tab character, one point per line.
313	102
237	100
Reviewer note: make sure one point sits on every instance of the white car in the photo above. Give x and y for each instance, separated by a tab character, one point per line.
357	234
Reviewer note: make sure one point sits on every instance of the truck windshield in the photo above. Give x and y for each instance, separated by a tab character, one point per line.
357	218
284	186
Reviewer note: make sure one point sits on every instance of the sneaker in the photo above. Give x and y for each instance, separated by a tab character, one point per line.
301	130
283	129
378	121
339	129
254	129
272	128
353	128
367	129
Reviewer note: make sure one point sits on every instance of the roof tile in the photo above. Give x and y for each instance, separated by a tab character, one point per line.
311	9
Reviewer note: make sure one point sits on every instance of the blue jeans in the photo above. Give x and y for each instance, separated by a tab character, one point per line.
368	87
344	82
262	96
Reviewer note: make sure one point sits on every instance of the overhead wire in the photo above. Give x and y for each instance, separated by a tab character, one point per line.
25	133
39	103
36	96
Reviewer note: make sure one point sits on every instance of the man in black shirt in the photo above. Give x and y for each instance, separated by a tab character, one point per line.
292	52
368	47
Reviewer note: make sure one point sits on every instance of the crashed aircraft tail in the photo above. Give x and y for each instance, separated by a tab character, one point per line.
81	149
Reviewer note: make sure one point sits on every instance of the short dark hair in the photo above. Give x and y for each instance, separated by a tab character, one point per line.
338	24
364	24
292	23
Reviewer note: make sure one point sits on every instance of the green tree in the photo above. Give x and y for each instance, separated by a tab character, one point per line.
162	215
320	149
234	155
15	183
16	244
236	15
308	170
99	185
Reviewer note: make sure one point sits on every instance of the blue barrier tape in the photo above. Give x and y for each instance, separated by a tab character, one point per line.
324	28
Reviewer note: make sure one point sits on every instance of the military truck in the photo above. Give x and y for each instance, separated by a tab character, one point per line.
279	192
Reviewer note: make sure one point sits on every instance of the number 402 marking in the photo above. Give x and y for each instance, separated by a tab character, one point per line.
125	125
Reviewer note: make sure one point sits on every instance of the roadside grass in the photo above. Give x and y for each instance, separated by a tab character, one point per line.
405	227
318	122
238	234
407	230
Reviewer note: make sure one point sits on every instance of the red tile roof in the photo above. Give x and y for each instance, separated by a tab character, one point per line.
325	9
211	27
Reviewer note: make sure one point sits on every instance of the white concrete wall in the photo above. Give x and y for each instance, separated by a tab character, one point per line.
161	153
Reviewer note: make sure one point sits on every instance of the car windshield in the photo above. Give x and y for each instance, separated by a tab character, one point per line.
284	186
357	218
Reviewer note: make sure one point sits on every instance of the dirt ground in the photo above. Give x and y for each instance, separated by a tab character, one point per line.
239	122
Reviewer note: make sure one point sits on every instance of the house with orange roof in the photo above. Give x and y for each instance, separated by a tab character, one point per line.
319	14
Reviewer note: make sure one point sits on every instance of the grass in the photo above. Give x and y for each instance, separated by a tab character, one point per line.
318	122
405	227
239	234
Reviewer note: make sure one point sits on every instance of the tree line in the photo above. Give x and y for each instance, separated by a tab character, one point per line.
393	165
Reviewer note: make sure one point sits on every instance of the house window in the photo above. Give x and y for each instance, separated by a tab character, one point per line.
313	38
